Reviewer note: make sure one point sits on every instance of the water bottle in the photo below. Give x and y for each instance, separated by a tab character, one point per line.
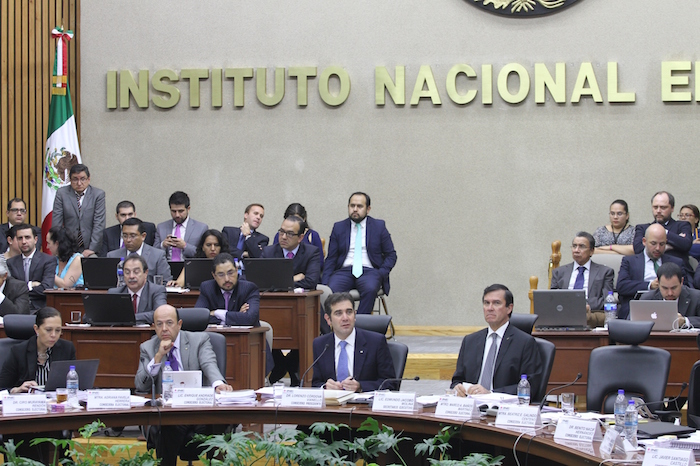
167	382
523	390
120	273
620	408
72	384
610	308
631	423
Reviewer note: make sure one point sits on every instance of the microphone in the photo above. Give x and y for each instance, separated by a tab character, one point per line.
544	398
153	401
325	348
644	411
397	379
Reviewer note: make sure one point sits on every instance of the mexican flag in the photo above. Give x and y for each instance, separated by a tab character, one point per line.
62	151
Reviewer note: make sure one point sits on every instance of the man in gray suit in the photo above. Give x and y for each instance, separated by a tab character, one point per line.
672	288
134	236
188	351
147	296
595	279
14	294
179	237
80	208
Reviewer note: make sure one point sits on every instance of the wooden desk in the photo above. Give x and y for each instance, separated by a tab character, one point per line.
574	351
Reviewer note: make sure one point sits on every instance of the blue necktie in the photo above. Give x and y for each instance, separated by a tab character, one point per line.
357	254
241	241
578	284
342	370
173	360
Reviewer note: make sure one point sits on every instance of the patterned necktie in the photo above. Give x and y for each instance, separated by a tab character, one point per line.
227	298
173	360
342	370
290	255
578	284
487	376
177	252
134	301
27	264
357	254
79	196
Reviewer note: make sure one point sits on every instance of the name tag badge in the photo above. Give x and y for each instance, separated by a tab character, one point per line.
578	430
303	398
188	397
668	457
457	407
518	415
611	441
18	405
400	402
108	399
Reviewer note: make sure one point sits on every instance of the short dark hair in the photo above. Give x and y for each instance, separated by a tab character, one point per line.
336	298
125	204
299	221
67	245
15	199
179	198
23	226
498	287
79	168
295	209
12	232
221	259
250	206
360	193
588	236
223	242
671	199
669	270
135	221
694	208
623	203
46	313
135	257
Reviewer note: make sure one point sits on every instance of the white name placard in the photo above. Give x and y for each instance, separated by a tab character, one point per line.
611	441
401	402
518	415
578	430
668	457
585	447
108	399
16	405
303	398
186	397
457	407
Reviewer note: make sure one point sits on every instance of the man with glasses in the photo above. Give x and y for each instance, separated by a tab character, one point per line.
112	238
16	215
583	274
230	301
145	296
134	236
80	208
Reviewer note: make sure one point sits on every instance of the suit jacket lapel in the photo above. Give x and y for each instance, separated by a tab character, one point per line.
478	354
503	349
683	302
360	354
592	276
185	352
143	300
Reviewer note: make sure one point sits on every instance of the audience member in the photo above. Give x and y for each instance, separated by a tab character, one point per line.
34	267
311	236
134	235
691	214
80	208
146	297
12	246
16	215
671	288
112	238
618	236
360	254
14	295
69	270
246	240
178	236
211	244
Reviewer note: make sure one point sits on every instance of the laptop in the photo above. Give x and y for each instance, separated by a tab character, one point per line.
111	310
273	274
176	268
100	273
197	271
560	309
662	313
187	379
86	369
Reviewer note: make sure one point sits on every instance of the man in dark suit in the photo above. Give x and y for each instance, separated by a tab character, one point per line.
246	240
134	235
186	351
14	294
671	288
147	297
350	358
360	254
112	238
638	272
230	301
32	266
494	358
595	279
16	215
179	237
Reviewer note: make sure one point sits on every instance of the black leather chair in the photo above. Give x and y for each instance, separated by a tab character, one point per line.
639	370
375	323
399	355
547	351
194	319
524	322
694	397
19	326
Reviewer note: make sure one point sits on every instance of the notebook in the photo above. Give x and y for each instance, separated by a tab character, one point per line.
197	271
662	313
107	309
86	369
560	309
100	273
273	274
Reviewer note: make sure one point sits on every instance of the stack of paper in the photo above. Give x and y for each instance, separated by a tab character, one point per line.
236	397
337	397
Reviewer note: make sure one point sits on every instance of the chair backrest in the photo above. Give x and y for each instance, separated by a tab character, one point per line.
6	345
547	352
639	370
627	332
375	323
524	322
19	326
693	262
694	396
218	344
611	260
195	319
399	354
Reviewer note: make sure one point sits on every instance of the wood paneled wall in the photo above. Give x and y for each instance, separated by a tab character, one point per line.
26	66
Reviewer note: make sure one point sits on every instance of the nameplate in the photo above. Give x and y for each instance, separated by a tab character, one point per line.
17	405
457	407
303	398
399	402
668	457
578	430
583	447
108	399
611	441
518	415
187	397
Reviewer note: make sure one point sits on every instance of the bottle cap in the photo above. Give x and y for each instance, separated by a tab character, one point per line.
620	392
72	368
524	376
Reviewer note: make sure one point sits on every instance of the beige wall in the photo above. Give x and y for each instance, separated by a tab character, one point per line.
472	194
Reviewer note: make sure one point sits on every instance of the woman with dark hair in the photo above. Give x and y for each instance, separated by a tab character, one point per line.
69	270
618	236
210	245
311	236
691	214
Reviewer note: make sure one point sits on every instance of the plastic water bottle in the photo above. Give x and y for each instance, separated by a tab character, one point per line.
610	308
72	385
523	390
120	273
167	381
620	408
631	423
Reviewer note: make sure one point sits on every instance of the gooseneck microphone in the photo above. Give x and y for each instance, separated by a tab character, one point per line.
544	398
416	378
644	410
325	348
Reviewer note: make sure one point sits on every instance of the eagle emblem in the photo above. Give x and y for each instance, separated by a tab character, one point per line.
522	7
57	165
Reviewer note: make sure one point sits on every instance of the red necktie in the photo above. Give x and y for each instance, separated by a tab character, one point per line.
134	300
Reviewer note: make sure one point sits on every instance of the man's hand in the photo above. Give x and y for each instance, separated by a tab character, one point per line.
88	252
460	390
24	388
299	277
163	349
245	229
588	307
223	388
654	285
477	389
350	385
245	307
681	319
333	385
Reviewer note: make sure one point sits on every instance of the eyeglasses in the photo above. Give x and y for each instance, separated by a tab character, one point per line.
287	233
231	273
82	179
682	215
130	235
618	214
16	210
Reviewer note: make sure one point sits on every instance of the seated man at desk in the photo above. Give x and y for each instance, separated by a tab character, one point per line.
672	288
145	296
595	279
134	235
14	294
187	351
493	359
230	301
350	358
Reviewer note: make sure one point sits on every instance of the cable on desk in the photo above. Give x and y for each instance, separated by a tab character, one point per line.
515	453
460	437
